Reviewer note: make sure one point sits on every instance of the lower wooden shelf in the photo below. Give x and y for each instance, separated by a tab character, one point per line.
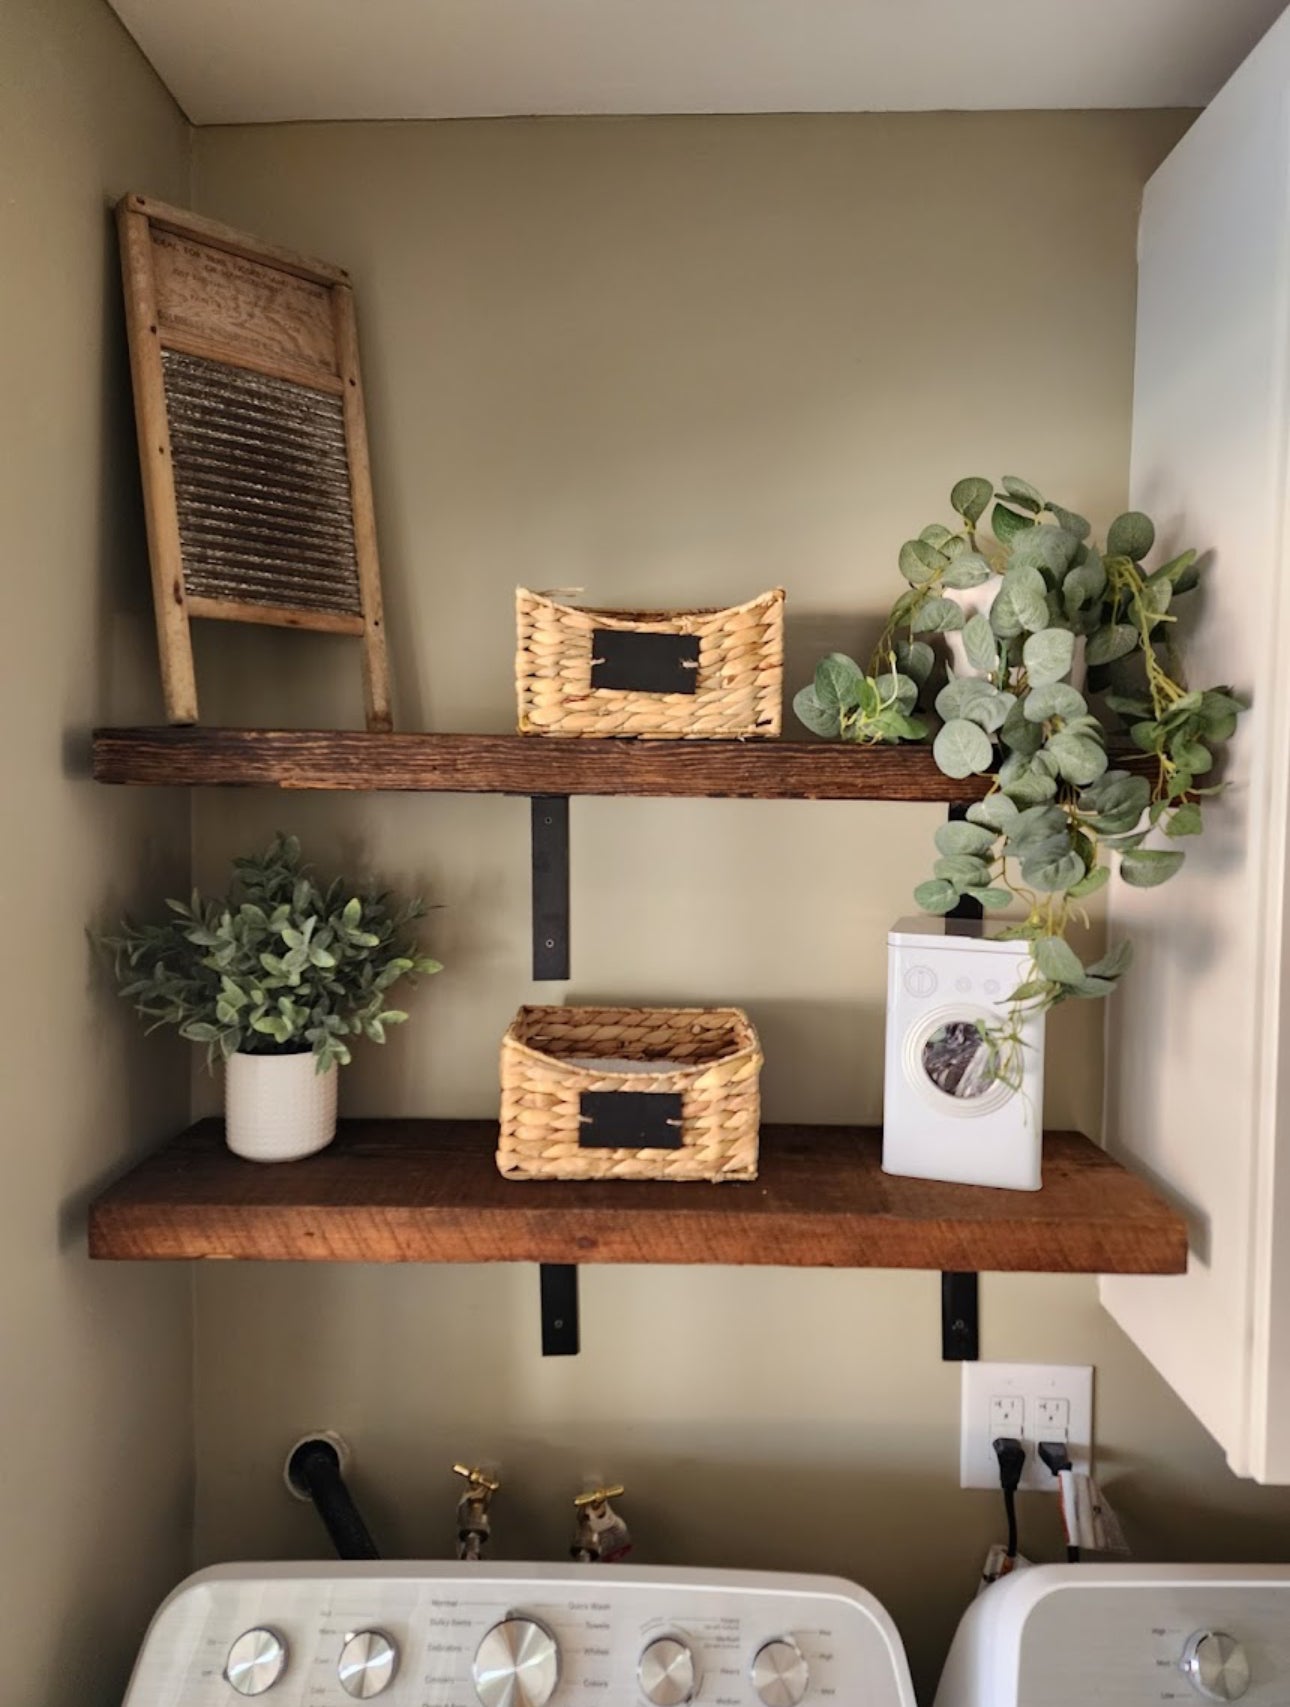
428	1191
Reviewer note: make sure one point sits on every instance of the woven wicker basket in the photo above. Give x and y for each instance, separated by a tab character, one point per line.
585	1090
580	672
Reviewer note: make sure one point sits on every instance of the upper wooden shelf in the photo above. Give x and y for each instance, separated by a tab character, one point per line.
523	764
428	1191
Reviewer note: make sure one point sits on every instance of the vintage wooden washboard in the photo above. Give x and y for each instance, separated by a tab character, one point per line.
252	440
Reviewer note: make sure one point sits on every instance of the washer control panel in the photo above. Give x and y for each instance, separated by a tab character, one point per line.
1125	1636
413	1635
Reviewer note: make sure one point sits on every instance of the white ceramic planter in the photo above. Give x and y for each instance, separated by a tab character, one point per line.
277	1108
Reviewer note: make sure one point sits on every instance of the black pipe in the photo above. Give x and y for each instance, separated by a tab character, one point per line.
314	1469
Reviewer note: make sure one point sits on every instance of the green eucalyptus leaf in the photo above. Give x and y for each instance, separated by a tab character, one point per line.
1022	783
1057	960
915	659
957	836
1022	491
992	900
936	896
968	569
963	870
1131	535
1054	875
896	689
995	812
1090	883
1036	824
1019	734
1192	756
1072	521
1044	546
1027	592
962	748
1080	759
1128	705
971	497
1185	821
920	562
979	643
936	616
1048	655
1053	700
839	682
974	698
935	534
1114	641
1115	962
1006	524
1083	585
1144	868
821	719
1004	620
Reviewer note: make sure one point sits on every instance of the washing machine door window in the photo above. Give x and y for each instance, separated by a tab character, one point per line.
958	1060
948	1059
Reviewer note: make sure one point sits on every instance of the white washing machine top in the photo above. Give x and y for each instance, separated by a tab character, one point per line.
923	929
453	1635
1124	1636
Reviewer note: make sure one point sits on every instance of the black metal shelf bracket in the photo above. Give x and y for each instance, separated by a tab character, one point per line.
550	846
960	1318
558	1286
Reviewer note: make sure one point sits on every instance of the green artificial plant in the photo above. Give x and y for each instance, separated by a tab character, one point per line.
1057	810
278	966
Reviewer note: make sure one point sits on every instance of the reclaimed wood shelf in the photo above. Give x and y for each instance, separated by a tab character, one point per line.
429	1191
189	757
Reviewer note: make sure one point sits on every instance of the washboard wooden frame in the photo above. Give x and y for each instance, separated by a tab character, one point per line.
252	441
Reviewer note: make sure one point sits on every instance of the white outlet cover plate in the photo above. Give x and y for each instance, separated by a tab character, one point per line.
982	1383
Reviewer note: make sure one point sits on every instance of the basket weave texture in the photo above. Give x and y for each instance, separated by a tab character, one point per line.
738	686
710	1057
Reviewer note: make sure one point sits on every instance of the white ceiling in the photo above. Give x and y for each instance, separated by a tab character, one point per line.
232	61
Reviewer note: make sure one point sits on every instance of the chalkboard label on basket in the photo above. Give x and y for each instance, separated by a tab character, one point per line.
630	1120
644	663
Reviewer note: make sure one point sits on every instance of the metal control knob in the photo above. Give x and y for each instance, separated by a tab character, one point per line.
517	1664
1216	1665
667	1673
780	1674
256	1661
368	1662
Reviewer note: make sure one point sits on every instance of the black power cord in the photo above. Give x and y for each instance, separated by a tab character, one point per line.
1012	1461
1055	1455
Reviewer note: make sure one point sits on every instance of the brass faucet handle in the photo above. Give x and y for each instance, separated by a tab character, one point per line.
598	1496
477	1478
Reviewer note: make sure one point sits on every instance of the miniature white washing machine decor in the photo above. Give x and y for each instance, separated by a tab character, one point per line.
946	1115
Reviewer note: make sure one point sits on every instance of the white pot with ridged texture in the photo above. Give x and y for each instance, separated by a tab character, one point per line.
277	1108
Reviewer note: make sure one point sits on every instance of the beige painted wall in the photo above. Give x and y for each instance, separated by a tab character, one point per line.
95	1399
674	360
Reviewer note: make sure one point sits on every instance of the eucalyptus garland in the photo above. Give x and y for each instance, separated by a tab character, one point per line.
1057	811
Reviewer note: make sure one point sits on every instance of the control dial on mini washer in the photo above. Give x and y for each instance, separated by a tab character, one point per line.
780	1674
667	1673
517	1664
368	1662
256	1661
1216	1665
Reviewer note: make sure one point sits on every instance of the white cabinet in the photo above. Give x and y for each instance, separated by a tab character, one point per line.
1198	1042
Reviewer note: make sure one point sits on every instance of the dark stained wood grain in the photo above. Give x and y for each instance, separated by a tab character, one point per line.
525	764
428	1191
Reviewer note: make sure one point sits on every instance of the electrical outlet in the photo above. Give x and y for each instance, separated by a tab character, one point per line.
1007	1416
1052	1418
1036	1401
